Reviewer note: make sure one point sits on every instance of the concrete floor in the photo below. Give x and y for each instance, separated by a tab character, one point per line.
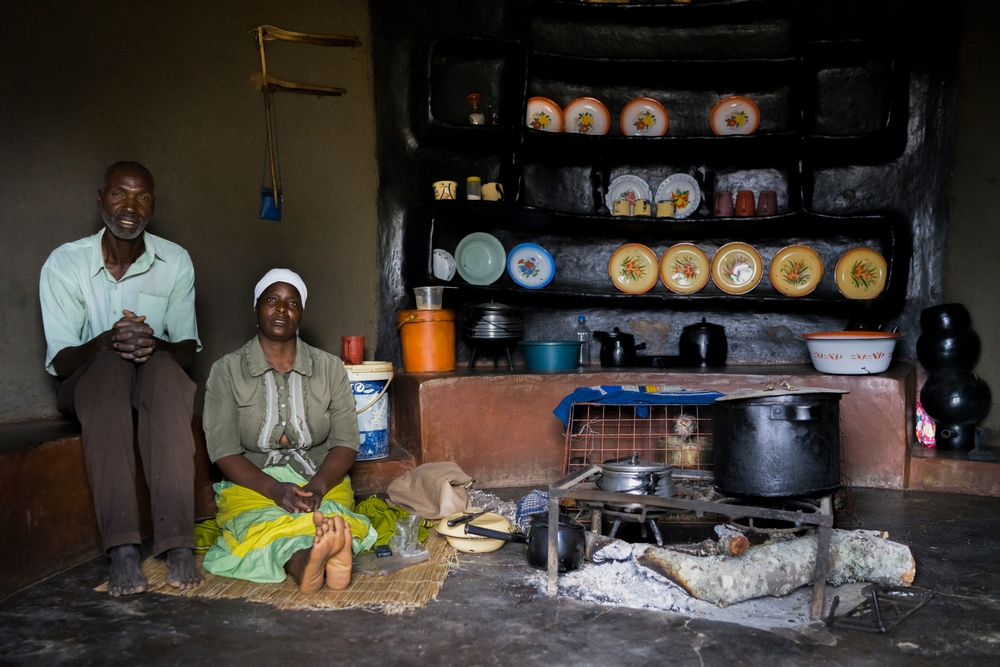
487	615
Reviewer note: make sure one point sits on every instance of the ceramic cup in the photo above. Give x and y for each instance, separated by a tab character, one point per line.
767	202
621	207
665	209
642	208
723	204
445	190
744	204
353	349
493	191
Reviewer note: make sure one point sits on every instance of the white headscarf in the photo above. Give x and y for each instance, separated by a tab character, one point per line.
280	276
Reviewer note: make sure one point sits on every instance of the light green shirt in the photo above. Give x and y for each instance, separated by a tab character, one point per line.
249	405
81	299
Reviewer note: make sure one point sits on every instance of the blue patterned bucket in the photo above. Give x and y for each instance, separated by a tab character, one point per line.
369	384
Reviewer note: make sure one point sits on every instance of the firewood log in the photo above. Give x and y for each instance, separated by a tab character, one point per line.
600	548
779	568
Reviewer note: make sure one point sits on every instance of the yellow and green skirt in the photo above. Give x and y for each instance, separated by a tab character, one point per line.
258	537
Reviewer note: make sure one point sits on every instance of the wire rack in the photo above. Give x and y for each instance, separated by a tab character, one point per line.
680	435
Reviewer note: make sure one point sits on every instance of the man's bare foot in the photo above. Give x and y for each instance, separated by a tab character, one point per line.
126	577
184	572
338	565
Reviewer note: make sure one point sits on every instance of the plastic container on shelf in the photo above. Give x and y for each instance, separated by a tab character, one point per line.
428	340
429	298
583	334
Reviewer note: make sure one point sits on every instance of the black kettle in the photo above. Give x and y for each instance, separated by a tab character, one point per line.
618	348
703	344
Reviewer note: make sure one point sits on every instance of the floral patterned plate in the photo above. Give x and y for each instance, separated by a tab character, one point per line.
585	115
861	273
531	266
644	117
737	268
683	191
627	187
633	268
684	268
544	115
480	258
796	270
734	115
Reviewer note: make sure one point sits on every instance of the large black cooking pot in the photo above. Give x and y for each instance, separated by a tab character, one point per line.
570	543
777	445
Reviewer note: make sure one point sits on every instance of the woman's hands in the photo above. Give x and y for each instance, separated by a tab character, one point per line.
293	498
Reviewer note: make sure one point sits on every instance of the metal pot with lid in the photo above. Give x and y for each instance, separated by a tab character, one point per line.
493	322
703	344
775	443
618	348
635	476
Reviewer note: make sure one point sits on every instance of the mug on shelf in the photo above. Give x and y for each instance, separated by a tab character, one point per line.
493	191
665	209
723	204
445	190
642	208
744	204
767	202
621	207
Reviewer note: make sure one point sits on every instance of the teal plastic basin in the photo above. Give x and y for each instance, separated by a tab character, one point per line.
551	355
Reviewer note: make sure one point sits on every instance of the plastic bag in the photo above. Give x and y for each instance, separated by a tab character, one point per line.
405	542
406	551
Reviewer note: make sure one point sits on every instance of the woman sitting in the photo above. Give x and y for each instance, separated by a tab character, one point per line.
280	424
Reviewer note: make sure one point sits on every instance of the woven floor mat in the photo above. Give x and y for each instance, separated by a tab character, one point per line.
401	591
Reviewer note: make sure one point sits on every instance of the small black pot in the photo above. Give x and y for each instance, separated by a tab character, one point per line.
703	344
618	348
570	546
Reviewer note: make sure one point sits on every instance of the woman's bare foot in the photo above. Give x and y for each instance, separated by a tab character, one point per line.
338	565
126	577
325	560
183	570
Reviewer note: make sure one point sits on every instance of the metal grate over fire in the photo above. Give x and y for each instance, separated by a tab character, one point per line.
680	435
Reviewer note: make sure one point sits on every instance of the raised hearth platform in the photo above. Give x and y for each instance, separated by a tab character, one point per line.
499	426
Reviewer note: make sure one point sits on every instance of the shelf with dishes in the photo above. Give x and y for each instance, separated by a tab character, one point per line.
811	260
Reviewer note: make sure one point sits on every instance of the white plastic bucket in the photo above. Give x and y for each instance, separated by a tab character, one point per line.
369	384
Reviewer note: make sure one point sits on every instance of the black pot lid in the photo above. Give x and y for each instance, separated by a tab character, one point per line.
704	326
500	307
783	389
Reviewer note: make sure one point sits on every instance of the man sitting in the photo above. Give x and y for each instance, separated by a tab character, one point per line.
118	310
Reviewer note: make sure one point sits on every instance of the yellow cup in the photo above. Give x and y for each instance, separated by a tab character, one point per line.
445	190
665	209
642	208
621	207
493	191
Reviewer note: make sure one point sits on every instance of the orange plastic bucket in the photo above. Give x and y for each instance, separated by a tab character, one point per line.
428	338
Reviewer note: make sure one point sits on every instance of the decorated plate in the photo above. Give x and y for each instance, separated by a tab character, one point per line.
531	266
544	115
585	115
796	270
627	187
734	115
480	258
737	268
633	268
444	264
861	273
644	117
684	268
683	191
